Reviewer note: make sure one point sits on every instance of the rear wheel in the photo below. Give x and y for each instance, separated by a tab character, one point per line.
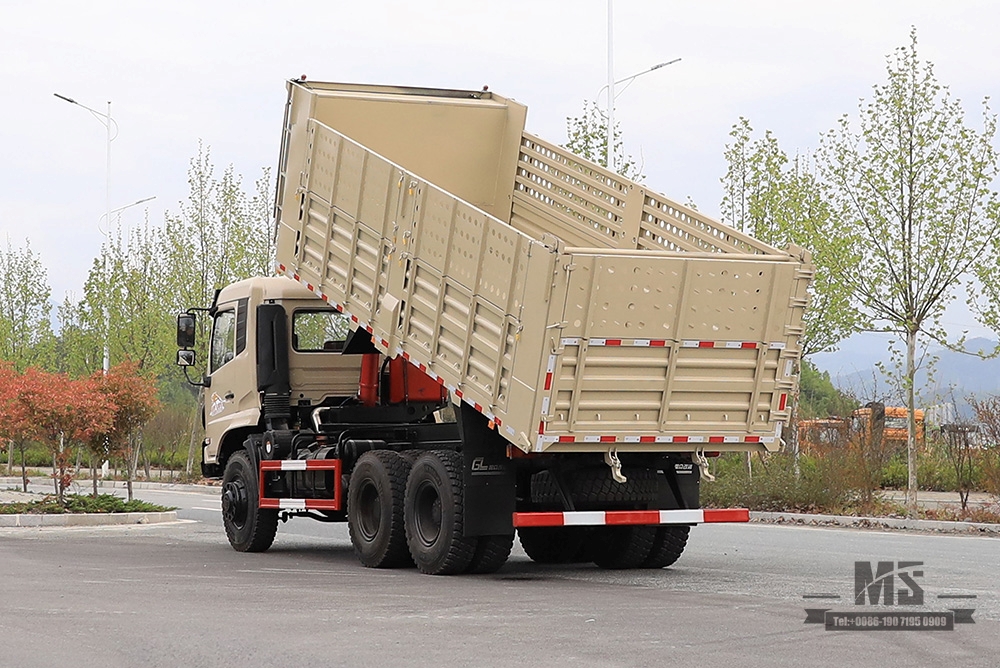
491	553
375	509
668	544
434	514
554	545
620	547
249	528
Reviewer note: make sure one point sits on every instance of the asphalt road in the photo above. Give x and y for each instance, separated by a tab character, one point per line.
173	595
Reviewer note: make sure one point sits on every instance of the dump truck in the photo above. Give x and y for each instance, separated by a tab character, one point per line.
475	333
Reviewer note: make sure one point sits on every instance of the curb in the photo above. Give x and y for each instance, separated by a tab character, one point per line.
968	528
86	485
86	519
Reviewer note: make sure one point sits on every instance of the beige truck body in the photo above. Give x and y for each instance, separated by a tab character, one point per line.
578	310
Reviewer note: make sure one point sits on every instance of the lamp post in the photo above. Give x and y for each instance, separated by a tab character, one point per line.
107	121
612	83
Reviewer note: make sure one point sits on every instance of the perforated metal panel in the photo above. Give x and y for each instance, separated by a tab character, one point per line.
601	315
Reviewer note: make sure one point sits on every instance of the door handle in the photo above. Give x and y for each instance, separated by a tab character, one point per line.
230	395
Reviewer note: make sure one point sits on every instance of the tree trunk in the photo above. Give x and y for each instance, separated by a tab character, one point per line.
10	458
55	477
194	435
93	472
911	424
24	469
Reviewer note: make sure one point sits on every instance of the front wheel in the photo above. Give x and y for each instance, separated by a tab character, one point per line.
248	527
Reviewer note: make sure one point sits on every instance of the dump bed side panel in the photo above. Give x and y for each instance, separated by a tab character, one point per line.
625	340
586	205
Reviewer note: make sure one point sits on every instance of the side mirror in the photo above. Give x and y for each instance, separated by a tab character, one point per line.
185	333
185	358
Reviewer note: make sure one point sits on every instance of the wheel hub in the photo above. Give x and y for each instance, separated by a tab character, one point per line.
234	501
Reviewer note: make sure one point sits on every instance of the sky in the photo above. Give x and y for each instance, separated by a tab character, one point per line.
182	72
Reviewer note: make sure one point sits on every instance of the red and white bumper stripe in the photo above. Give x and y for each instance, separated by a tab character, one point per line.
333	465
663	343
626	517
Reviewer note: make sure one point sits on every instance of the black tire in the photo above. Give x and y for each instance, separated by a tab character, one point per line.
375	510
554	545
249	528
491	553
668	544
620	547
434	514
594	488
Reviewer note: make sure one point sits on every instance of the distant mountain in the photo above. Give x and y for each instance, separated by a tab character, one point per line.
955	375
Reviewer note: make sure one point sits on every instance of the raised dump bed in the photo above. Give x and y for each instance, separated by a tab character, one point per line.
576	309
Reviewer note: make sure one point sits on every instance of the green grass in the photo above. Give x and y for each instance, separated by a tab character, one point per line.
79	503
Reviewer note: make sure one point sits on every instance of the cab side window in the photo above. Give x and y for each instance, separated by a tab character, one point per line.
223	339
319	331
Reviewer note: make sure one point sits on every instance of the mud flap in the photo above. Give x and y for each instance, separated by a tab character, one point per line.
488	476
679	484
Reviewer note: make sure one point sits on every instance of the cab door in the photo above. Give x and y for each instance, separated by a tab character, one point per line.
231	398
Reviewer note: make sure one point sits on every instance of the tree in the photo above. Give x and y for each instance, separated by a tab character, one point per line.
220	235
62	409
587	136
779	201
15	427
26	337
134	402
910	193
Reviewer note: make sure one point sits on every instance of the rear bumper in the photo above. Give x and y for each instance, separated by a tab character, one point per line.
623	517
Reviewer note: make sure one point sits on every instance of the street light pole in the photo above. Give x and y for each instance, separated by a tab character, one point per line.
107	121
612	96
611	88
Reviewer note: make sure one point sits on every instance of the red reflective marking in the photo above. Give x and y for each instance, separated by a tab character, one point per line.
422	367
608	439
680	439
647	439
538	519
613	342
706	344
716	439
440	380
658	344
753	439
406	356
749	344
497	420
310	286
783	401
458	393
385	344
541	427
567	439
369	328
548	381
325	298
727	515
296	276
281	267
354	318
478	408
632	517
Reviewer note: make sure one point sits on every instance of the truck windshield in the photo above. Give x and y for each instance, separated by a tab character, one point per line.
319	331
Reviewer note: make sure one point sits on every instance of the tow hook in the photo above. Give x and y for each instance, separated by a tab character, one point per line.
611	459
702	462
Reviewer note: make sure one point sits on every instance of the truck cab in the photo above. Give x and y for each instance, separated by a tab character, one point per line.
288	354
